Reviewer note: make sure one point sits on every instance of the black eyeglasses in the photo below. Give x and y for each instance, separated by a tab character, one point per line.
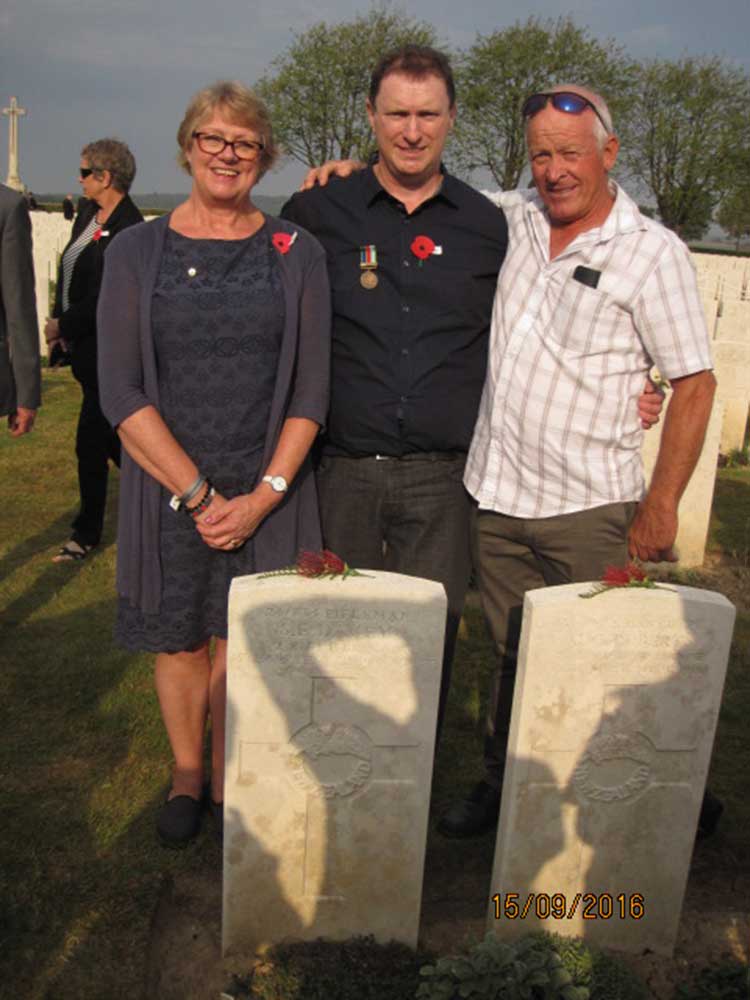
243	149
85	172
562	100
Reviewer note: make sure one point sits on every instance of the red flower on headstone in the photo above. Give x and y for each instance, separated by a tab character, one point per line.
332	562
324	565
621	576
283	241
311	564
422	247
631	575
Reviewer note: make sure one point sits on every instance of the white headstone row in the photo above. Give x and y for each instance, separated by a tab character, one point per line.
695	506
723	277
732	371
332	700
50	233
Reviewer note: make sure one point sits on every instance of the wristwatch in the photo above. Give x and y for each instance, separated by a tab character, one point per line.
277	483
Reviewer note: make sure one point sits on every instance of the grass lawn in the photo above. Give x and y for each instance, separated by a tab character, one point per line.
84	760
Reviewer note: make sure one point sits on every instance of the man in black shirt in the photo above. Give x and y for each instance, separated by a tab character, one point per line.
413	258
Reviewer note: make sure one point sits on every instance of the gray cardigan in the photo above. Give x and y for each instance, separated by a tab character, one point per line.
128	381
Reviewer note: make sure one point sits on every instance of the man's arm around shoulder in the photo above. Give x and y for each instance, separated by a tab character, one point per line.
654	527
304	209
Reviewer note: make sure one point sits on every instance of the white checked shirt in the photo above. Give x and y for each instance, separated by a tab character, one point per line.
558	428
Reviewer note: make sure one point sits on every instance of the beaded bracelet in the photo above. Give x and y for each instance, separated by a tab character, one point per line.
205	502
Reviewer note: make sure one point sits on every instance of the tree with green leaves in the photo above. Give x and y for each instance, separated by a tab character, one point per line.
316	90
501	70
734	212
689	120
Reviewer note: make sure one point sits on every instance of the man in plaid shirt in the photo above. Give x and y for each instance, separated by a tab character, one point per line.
592	295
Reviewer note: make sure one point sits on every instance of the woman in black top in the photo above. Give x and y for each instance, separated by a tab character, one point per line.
106	173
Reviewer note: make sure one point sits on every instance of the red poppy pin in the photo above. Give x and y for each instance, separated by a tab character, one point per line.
283	241
99	233
422	247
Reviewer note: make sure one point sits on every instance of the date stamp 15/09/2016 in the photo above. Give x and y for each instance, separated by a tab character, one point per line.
557	906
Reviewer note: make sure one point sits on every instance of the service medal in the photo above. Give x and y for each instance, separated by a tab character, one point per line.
368	263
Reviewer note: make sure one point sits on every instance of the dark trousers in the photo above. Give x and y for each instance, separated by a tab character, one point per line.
96	445
513	555
406	515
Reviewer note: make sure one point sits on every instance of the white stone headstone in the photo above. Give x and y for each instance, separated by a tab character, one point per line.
734	321
614	714
331	713
694	512
50	233
732	371
710	309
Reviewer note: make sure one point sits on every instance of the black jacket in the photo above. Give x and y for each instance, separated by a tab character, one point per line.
78	322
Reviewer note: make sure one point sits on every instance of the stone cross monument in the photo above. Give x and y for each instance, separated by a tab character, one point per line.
13	112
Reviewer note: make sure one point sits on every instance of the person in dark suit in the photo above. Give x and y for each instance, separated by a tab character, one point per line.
68	207
106	173
20	392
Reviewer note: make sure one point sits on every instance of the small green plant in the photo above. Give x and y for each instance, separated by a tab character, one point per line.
603	975
529	969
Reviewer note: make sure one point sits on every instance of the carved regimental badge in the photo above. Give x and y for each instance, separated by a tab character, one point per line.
331	759
615	767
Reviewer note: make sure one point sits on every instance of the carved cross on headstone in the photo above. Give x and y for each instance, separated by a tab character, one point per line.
13	112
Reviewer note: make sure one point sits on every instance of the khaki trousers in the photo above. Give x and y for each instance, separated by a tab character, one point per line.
512	555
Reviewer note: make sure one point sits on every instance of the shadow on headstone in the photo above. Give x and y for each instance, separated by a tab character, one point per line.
619	697
333	690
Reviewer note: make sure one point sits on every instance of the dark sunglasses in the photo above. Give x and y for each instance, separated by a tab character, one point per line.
562	100
85	172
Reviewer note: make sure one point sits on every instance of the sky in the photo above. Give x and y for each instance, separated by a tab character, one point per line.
84	69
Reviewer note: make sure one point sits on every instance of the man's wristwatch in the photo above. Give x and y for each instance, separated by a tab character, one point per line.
277	483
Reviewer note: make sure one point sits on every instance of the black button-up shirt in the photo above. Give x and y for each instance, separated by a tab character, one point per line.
408	356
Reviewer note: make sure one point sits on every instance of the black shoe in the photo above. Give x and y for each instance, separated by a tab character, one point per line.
473	815
179	820
711	810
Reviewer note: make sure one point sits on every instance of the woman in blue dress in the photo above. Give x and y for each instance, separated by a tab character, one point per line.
214	361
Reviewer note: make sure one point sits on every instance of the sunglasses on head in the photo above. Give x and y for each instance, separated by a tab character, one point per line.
561	100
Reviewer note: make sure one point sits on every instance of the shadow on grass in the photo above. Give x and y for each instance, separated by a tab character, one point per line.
53	532
82	772
52	578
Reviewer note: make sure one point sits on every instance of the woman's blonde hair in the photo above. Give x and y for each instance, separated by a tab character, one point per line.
240	106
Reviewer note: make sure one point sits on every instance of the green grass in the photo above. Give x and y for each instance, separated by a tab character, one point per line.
84	760
83	757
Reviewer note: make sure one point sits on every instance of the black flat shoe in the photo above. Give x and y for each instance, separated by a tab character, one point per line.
711	810
473	815
179	820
